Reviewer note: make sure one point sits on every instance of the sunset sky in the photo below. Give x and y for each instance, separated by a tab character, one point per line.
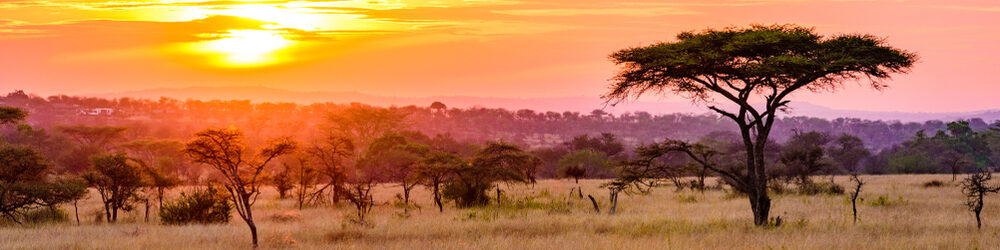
545	48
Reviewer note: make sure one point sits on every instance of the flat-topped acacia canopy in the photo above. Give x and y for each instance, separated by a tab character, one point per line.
763	62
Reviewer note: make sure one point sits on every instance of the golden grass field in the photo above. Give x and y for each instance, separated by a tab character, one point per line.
915	217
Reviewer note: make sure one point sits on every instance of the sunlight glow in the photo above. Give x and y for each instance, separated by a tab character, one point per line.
247	48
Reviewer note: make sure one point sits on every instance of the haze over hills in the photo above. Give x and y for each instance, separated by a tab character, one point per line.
559	104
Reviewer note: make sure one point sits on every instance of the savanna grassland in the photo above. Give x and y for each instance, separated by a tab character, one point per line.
898	212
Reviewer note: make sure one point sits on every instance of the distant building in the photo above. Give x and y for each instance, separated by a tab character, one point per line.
97	111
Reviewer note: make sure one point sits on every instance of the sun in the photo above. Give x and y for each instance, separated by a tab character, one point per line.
271	44
248	48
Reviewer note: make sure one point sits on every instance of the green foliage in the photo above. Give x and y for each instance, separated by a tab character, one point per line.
934	183
466	195
496	162
22	171
45	215
804	155
607	143
118	179
814	188
11	115
202	207
585	162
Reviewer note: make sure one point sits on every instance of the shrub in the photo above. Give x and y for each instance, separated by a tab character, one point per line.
814	188
205	206
45	215
934	183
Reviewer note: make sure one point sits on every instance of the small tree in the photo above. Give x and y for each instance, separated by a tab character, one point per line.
118	180
283	181
332	153
392	155
305	180
20	169
854	194
225	151
580	163
203	206
803	156
435	169
975	188
848	151
23	183
359	190
161	180
497	162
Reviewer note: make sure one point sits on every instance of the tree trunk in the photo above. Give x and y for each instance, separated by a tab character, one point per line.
253	231
437	198
760	203
76	212
593	201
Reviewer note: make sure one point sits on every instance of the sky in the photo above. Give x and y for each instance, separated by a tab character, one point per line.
506	48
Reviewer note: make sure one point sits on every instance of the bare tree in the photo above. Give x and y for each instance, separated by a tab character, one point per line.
332	153
854	195
241	169
975	188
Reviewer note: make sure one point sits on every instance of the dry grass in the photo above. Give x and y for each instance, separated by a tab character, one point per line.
913	217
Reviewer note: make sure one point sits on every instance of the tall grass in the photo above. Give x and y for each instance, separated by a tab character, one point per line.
546	217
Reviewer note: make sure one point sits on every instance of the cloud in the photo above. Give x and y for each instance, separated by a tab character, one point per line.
971	8
629	12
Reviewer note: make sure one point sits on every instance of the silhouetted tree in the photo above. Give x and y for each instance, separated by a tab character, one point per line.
283	181
497	162
392	155
804	155
241	169
848	151
435	169
11	115
854	194
755	65
976	187
102	137
579	164
119	180
332	153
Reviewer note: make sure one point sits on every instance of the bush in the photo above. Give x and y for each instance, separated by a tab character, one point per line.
465	196
934	183
45	215
205	206
814	188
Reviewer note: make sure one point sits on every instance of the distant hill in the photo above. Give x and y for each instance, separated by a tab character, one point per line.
558	104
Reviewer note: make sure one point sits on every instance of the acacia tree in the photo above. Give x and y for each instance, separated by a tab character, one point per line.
102	137
848	151
755	68
241	169
11	115
392	155
119	180
435	169
496	162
